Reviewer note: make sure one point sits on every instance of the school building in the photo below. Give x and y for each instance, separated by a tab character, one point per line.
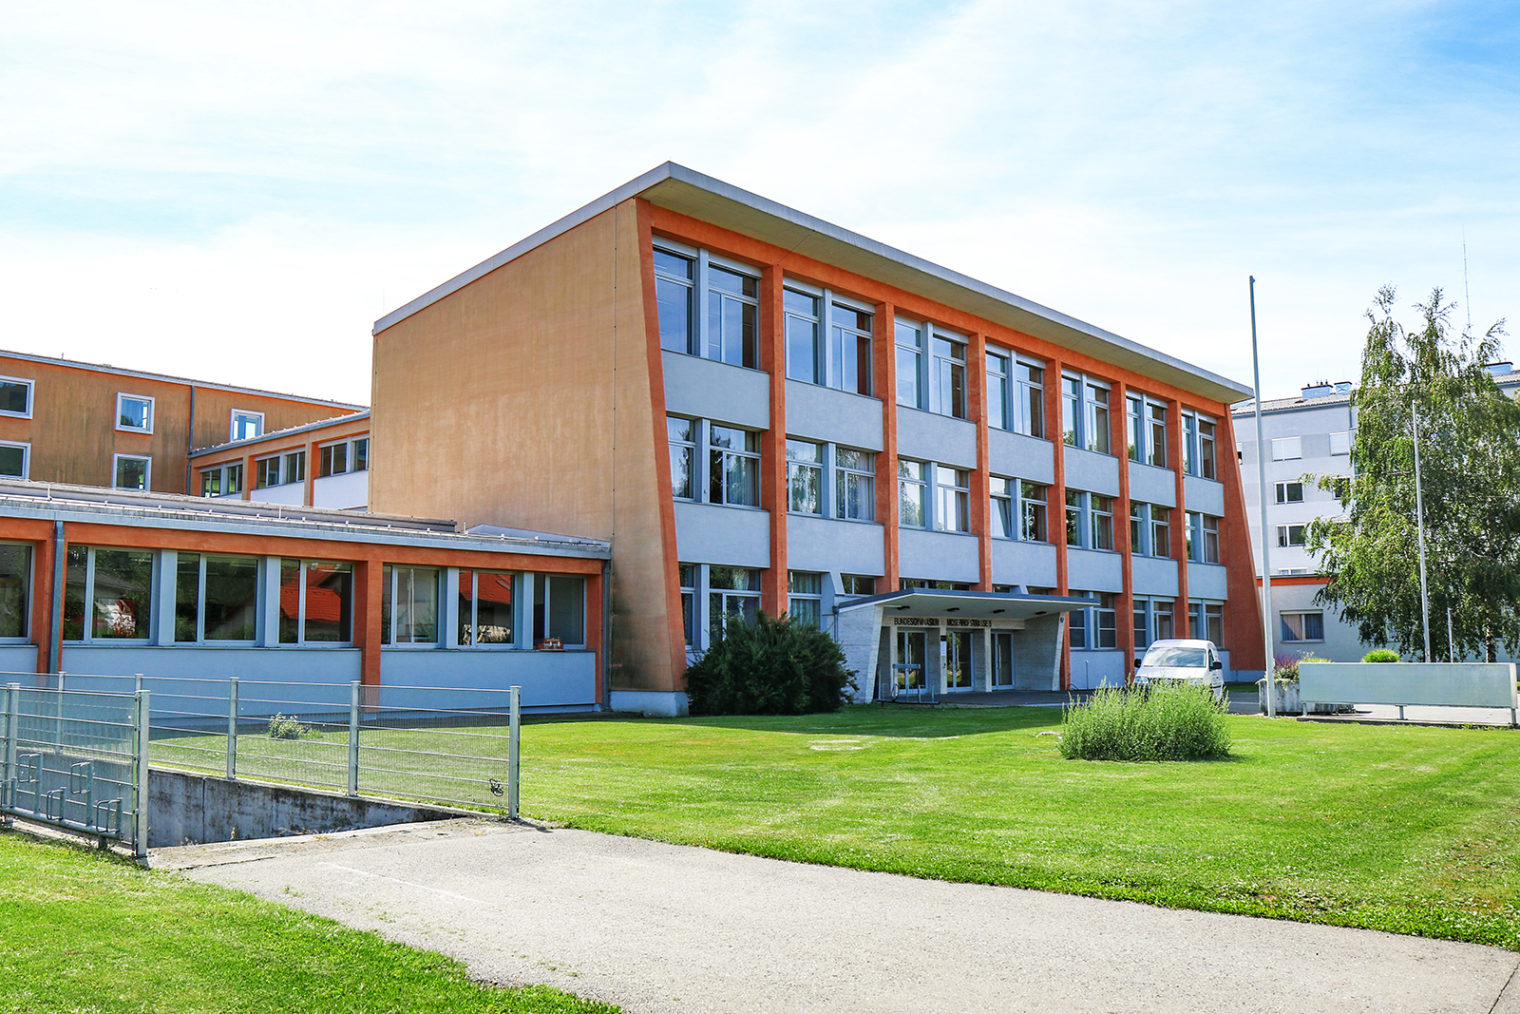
758	409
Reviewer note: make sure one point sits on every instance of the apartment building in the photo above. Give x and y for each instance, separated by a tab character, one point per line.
761	410
1307	438
96	425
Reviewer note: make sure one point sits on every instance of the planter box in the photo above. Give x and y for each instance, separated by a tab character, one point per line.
1288	701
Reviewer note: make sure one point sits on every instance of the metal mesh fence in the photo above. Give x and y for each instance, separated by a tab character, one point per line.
73	760
454	746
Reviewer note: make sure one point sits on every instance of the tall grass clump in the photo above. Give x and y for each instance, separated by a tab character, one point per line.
1169	722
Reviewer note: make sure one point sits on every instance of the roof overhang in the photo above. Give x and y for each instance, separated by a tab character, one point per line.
711	200
934	603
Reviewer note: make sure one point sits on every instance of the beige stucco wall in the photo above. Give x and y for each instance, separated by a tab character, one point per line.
524	399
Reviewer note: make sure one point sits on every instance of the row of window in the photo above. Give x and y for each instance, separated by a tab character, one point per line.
734	593
338	458
217	599
1292	448
134	412
710	307
1097	626
128	471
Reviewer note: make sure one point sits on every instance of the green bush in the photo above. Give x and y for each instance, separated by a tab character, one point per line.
287	727
1381	655
771	667
1170	722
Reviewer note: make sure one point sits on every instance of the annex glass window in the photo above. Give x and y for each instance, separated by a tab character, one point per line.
559	610
316	602
222	480
1289	536
108	594
805	597
1202	537
674	278
804	350
343	457
855	484
1287	448
485	607
733	466
952	499
910	365
948	378
804	477
732	592
247	425
134	412
131	472
15	459
15	589
295	466
688	579
1290	492
1301	626
683	455
16	397
912	494
216	598
409	605
266	472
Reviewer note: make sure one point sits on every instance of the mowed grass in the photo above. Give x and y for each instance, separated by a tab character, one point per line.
1410	830
82	931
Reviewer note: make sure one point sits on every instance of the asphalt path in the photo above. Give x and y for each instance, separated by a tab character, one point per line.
665	928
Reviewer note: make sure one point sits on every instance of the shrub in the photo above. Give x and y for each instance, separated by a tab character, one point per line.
1169	722
769	667
287	727
1381	655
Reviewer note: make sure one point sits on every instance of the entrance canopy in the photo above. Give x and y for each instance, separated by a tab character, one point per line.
935	602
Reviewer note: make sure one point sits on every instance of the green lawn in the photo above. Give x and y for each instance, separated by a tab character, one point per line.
82	931
1412	830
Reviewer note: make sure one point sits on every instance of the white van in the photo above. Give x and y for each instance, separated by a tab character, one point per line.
1182	661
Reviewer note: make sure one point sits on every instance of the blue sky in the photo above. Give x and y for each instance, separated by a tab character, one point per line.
236	191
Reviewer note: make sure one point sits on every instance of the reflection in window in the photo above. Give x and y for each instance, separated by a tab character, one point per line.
485	607
15	581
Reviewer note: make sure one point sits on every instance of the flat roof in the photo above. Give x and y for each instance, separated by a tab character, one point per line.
711	200
288	431
936	602
170	379
94	504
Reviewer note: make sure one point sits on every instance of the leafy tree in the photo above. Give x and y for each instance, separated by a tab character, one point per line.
1469	440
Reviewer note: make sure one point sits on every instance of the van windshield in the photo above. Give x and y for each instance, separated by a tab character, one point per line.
1170	656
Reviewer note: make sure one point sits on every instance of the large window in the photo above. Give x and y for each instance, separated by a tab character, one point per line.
246	424
948	377
1018	509
688	579
266	472
912	493
108	594
409	605
855	484
952	499
485	607
1290	536
1096	626
1202	537
216	598
1308	625
1208	620
15	460
225	480
731	592
15	590
1287	448
835	351
343	457
1153	621
559	610
733	474
727	329
134	412
1015	395
1089	520
804	477
805	597
316	602
1150	529
131	471
931	369
1147	430
16	397
278	469
683	456
1290	492
1084	413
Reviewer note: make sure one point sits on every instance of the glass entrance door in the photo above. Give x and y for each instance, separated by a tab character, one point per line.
956	646
1002	660
909	674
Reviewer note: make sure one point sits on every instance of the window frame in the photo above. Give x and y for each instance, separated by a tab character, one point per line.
955	492
146	459
1280	491
150	413
87	620
261	466
845	476
222	472
303	565
353	453
28	579
456	641
699	338
815	467
1284	630
232	425
31	394
1285	443
200	599
26	459
1285	536
725	453
814	597
828	339
921	482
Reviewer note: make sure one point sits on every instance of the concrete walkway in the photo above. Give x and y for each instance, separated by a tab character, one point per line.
659	928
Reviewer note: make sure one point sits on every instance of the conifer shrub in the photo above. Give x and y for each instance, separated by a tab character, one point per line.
1169	722
773	666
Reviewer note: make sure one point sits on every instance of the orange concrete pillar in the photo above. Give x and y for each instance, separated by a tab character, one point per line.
884	354
1182	621
311	473
248	477
369	586
1055	509
773	488
981	495
1242	607
1118	420
43	633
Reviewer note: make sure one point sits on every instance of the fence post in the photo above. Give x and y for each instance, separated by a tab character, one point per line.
9	718
353	739
514	749
140	828
232	717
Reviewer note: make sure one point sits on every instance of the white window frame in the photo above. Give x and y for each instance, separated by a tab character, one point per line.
730	452
724	596
121	396
388	637
952	493
688	447
926	365
31	393
1198	616
451	588
222	471
1287	448
923	480
1087	520
232	434
1197	536
1281	490
26	459
1083	423
1285	536
279	471
302	563
1283	629
817	466
146	459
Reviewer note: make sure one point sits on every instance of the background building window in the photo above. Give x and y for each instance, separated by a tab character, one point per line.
247	425
1290	492
1340	442
1287	448
1302	626
1289	536
15	459
131	472
805	597
485	607
134	412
